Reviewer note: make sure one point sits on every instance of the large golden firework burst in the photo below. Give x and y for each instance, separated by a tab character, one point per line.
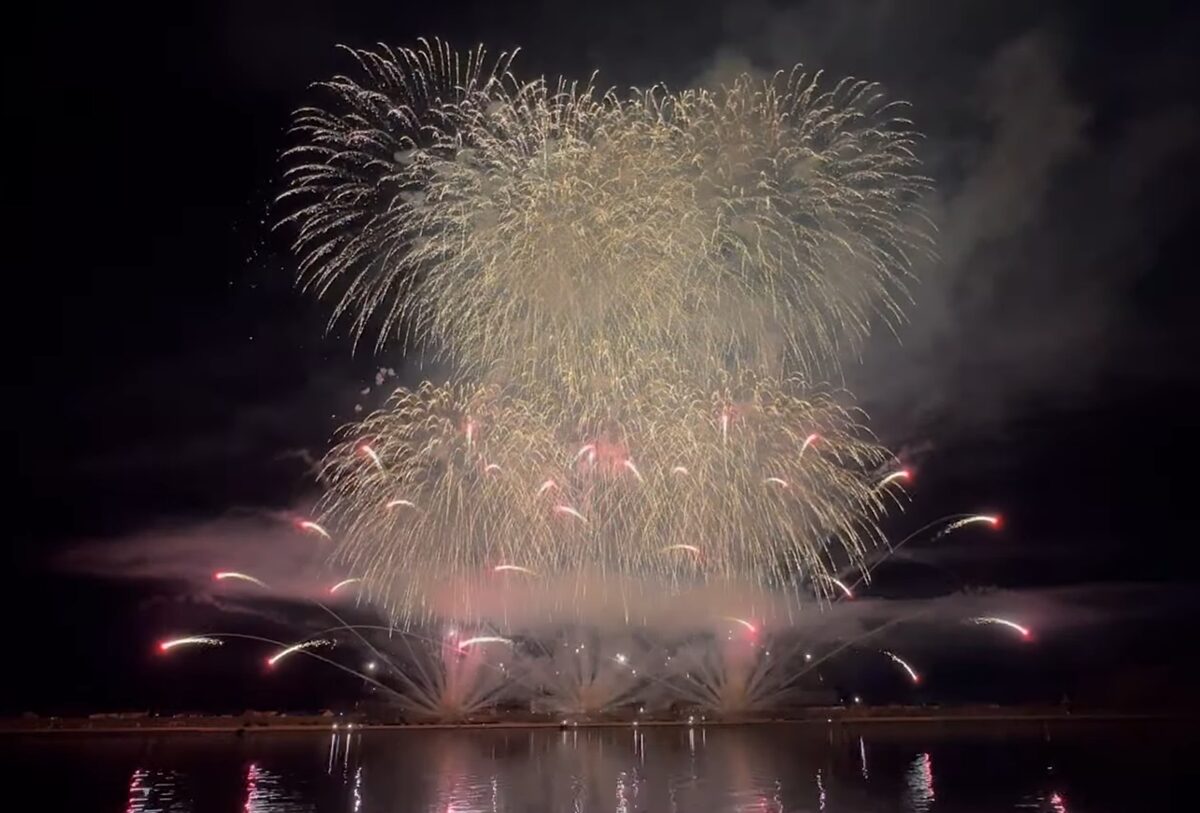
629	275
555	229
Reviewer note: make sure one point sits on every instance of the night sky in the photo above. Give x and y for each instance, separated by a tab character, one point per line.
172	386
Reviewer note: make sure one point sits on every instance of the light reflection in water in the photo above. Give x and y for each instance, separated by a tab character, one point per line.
920	784
752	769
270	792
157	792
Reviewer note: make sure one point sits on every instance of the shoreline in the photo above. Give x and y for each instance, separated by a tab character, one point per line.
266	725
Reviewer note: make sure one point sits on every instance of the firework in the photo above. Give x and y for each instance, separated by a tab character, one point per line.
584	674
743	622
449	680
224	575
987	519
513	569
636	291
343	583
1004	622
443	676
371	454
628	464
561	492
483	639
309	526
949	524
902	474
841	585
903	664
571	512
303	646
550	227
193	640
733	677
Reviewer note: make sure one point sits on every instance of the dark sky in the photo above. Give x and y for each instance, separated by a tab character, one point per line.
170	382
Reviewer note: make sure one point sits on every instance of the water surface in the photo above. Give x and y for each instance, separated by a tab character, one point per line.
950	768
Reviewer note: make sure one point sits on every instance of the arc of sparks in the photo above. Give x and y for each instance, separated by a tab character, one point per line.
514	569
566	509
753	629
777	481
680	470
630	465
224	575
303	645
483	639
808	441
1004	622
584	449
842	585
903	664
343	583
902	474
990	519
492	467
191	640
682	546
397	503
546	486
367	451
312	527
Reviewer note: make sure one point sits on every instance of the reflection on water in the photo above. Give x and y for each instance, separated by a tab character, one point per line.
628	770
920	784
271	792
156	791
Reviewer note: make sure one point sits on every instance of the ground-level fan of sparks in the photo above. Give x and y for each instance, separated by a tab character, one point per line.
729	665
491	475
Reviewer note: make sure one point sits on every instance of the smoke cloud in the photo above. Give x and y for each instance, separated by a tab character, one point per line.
1055	194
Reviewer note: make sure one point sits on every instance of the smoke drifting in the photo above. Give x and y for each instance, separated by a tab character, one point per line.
1055	169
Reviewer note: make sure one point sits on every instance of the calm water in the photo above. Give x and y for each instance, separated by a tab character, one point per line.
939	769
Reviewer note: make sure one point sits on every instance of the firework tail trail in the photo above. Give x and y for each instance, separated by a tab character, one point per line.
432	683
308	653
953	523
855	641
